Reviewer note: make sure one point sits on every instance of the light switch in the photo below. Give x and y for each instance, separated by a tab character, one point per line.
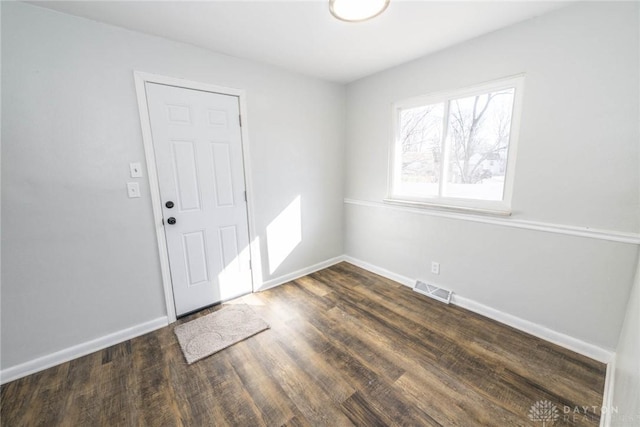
135	169
133	189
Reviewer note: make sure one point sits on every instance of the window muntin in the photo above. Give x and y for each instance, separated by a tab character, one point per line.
469	165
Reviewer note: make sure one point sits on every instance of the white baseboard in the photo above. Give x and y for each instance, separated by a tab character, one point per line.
67	354
574	344
607	398
62	356
587	349
299	273
381	271
582	347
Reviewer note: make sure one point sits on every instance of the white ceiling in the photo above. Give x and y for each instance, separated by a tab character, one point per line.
302	35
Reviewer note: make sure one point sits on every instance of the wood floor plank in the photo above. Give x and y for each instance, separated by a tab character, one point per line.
361	413
312	402
263	389
540	372
345	347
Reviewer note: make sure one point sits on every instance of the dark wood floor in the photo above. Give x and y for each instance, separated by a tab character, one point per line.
345	347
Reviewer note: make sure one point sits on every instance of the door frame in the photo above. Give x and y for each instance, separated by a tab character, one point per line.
140	79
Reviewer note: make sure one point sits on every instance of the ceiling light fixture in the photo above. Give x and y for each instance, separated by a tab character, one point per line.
357	10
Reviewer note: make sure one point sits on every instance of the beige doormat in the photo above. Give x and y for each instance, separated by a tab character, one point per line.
209	334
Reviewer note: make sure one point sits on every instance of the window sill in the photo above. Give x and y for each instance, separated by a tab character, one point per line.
447	208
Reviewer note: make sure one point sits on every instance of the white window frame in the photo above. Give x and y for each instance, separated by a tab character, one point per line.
497	207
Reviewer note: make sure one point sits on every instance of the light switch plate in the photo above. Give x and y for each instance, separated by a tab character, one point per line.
133	189
135	169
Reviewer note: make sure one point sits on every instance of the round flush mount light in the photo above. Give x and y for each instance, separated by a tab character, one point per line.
357	10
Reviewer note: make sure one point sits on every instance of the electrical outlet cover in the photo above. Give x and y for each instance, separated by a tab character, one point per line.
435	267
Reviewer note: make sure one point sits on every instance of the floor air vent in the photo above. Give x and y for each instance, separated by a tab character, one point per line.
433	291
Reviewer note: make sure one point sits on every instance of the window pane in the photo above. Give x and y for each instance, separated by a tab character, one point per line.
420	150
477	145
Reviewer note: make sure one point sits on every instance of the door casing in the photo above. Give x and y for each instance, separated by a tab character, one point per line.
140	79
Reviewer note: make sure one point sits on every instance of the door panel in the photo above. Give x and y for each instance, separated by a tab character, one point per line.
186	179
198	149
196	256
223	179
218	118
229	245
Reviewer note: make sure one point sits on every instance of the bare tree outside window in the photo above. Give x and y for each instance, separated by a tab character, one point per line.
457	148
479	128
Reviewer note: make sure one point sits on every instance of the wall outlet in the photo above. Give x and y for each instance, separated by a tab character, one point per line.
435	267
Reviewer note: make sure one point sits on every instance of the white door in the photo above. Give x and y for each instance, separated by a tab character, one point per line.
198	150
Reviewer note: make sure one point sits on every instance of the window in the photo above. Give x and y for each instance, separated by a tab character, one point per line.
457	149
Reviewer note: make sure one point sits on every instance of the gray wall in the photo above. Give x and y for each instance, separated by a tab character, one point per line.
626	395
577	165
80	259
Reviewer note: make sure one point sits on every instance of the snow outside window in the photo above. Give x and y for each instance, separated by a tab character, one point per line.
457	149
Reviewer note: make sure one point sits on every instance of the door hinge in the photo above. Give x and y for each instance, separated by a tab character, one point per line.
240	120
245	196
250	268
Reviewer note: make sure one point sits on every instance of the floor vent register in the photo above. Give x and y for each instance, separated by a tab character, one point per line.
434	292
